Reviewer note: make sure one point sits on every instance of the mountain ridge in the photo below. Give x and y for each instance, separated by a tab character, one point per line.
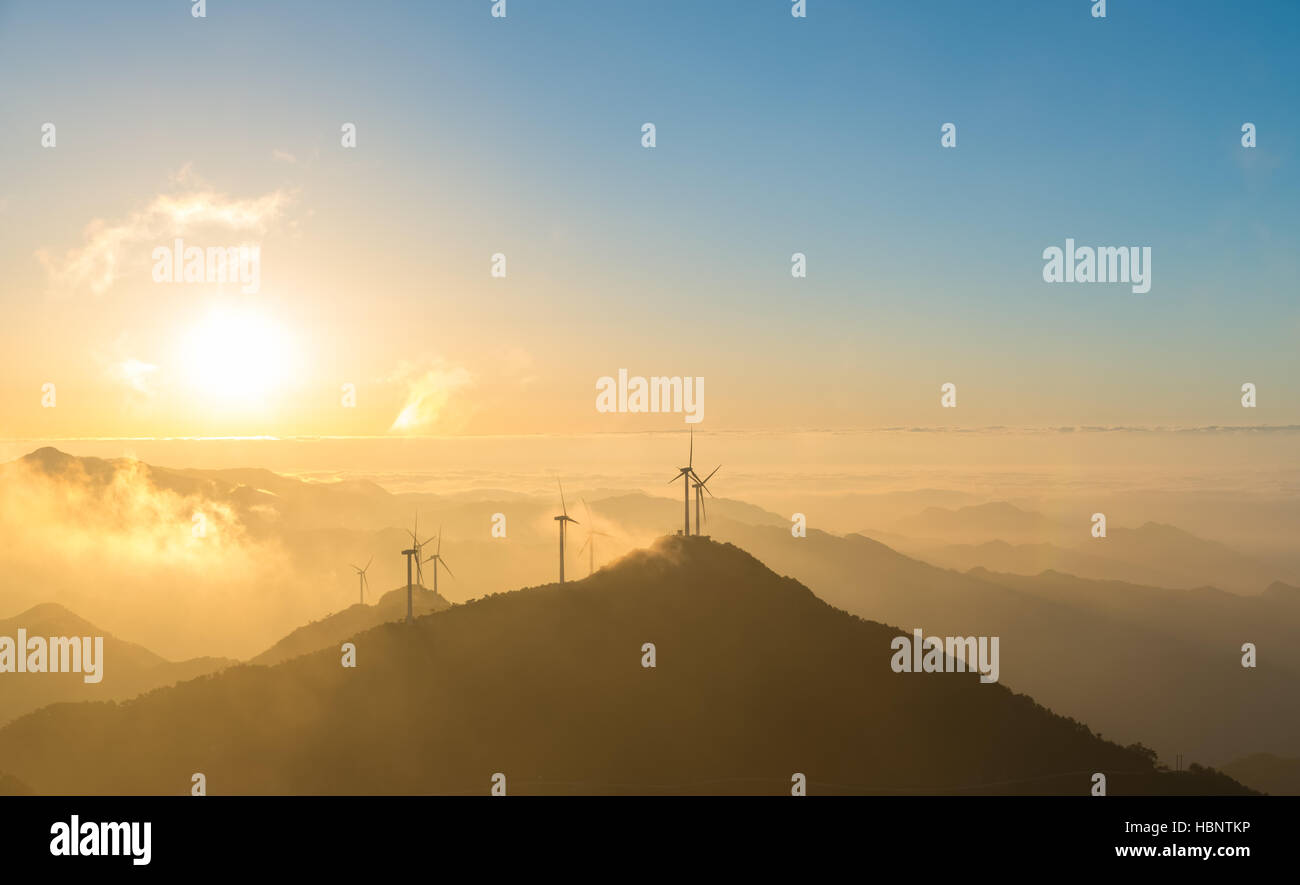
755	678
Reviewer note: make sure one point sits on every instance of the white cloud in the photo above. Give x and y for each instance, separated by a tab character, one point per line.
110	248
428	395
137	375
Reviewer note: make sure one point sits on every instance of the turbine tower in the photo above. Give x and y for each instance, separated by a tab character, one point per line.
562	519
437	560
361	573
418	546
591	539
408	554
702	485
686	474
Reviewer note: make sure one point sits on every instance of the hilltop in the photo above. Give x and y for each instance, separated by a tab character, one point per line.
756	679
333	629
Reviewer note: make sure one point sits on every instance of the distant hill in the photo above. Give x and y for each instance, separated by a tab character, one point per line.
1004	538
756	679
129	669
1092	648
980	521
330	631
1267	773
1284	593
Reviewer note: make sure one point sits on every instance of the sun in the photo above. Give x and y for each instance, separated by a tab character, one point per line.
237	354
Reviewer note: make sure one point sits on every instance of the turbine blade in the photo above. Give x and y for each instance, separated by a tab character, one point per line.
710	476
439	550
691	460
443	563
372	559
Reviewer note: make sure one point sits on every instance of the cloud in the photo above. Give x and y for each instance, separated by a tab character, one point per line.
283	156
110	248
428	395
119	362
137	375
169	560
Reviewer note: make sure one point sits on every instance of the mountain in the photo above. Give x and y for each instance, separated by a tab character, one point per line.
1005	538
128	669
1267	773
1205	616
979	522
1138	663
331	631
1284	593
756	679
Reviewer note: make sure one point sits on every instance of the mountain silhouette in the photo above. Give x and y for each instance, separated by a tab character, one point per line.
1004	538
128	669
1079	643
755	679
336	628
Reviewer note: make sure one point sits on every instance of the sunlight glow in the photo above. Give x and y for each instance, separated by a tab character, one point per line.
237	354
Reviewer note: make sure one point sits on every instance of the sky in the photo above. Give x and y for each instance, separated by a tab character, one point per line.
478	135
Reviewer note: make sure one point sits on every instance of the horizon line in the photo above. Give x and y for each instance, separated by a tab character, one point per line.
991	428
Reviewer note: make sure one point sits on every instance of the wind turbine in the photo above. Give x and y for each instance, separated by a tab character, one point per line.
418	546
437	560
408	554
685	474
564	518
702	485
591	539
361	573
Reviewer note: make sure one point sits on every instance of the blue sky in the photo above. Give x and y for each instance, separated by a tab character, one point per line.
775	135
